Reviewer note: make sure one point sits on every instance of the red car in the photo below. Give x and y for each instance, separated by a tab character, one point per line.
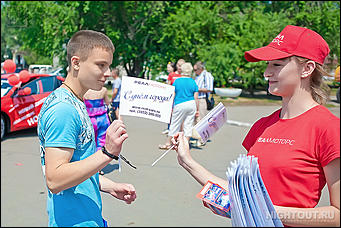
19	106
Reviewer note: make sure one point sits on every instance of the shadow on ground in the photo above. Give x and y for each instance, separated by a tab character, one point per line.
110	168
21	133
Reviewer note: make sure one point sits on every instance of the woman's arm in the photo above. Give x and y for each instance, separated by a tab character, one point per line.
196	103
198	172
319	216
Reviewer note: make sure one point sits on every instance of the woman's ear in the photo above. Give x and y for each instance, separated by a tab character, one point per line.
308	68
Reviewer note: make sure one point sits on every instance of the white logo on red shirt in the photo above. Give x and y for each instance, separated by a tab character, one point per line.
276	141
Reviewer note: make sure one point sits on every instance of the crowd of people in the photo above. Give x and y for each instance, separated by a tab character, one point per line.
298	146
190	98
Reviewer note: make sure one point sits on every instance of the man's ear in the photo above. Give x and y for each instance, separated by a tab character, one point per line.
308	68
75	62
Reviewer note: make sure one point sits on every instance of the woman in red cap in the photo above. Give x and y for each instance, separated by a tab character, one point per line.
298	146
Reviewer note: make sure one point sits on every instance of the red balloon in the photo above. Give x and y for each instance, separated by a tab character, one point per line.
24	76
13	80
9	66
27	90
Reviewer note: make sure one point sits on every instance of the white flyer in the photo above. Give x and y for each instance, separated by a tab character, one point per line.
146	98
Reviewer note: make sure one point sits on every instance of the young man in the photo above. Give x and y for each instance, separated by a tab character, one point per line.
69	158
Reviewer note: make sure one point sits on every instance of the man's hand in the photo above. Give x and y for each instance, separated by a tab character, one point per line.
115	136
123	191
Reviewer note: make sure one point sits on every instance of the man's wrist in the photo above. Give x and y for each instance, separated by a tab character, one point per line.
104	150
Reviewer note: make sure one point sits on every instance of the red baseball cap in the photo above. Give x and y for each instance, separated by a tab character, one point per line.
293	40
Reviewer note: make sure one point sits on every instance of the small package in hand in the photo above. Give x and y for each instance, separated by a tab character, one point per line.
216	199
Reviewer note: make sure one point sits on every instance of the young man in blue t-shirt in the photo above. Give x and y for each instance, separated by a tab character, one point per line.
69	158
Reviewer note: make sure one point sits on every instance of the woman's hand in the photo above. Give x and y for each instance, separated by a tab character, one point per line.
181	147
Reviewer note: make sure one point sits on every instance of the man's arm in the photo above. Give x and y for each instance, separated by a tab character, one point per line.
62	174
203	90
121	191
114	93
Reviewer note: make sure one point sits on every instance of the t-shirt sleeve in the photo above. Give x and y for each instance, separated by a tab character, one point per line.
329	143
175	83
170	77
62	124
210	85
252	135
116	84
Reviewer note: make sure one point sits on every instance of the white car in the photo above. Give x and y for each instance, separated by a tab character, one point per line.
40	69
162	77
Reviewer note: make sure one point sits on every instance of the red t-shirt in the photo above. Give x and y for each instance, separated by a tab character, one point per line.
172	76
292	153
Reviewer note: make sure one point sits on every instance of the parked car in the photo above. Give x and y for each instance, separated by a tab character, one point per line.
58	72
40	69
21	104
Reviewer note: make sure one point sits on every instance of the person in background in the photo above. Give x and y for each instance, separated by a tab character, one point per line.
298	145
171	68
185	105
204	80
69	159
177	74
96	103
116	92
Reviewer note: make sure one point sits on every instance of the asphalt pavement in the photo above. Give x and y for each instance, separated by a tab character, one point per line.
166	193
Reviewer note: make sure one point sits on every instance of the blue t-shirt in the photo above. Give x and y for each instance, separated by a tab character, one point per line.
184	90
117	85
64	122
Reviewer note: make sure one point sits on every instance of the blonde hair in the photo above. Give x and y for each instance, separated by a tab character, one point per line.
320	91
186	69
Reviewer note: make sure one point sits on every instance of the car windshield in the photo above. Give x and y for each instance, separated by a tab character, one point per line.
5	87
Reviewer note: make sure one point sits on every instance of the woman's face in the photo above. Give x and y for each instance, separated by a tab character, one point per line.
169	68
284	76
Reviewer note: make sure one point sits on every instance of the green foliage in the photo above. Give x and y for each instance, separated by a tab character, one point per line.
148	34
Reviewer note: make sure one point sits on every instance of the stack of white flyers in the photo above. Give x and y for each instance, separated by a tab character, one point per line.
249	199
211	123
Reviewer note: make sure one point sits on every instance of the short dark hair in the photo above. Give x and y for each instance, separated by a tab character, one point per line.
116	71
83	41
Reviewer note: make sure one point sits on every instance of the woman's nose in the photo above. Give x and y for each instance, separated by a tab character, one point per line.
267	73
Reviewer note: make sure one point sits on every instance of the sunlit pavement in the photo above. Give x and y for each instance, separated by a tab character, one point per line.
166	194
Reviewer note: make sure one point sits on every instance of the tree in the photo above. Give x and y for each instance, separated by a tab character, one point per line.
148	34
